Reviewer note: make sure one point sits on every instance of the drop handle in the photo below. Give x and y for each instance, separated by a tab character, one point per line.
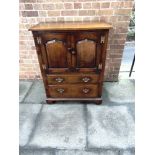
60	90
86	79
86	90
59	79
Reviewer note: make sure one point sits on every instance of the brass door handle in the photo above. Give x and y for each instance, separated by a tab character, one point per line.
59	79
72	50
86	90
86	79
60	90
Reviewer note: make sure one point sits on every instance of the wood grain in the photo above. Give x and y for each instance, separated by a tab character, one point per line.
70	26
72	59
73	90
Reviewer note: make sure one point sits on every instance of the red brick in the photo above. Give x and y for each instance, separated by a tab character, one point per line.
48	6
78	18
23	20
116	46
59	6
21	26
121	29
30	13
86	19
37	7
87	12
77	5
27	1
21	6
69	13
87	0
92	18
105	5
42	13
123	18
104	18
61	19
117	4
96	5
105	12
128	4
119	36
51	19
121	24
69	19
117	41
115	55
23	38
86	5
28	7
42	19
113	19
53	13
68	5
122	12
117	51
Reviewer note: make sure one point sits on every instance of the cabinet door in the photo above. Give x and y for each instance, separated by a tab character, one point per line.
55	51
87	50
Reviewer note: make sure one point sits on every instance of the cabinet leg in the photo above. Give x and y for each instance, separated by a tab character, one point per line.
50	102
98	102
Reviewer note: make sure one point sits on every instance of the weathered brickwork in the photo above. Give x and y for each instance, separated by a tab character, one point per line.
116	12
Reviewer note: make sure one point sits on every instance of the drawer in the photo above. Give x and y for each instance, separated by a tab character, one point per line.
46	36
87	35
73	90
72	78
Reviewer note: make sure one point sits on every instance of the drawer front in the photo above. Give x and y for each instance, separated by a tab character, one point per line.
73	91
72	78
46	36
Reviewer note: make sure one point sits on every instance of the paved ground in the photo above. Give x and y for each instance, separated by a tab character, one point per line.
76	128
128	55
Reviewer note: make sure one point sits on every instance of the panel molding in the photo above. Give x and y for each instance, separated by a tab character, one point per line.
87	44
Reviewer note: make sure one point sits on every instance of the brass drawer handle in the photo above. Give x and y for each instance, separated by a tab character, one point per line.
60	90
86	79
59	79
86	90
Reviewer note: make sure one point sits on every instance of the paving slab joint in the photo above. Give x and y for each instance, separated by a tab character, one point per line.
35	125
52	151
131	150
86	121
28	91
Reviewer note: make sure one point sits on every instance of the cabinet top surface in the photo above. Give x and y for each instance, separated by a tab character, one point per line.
70	26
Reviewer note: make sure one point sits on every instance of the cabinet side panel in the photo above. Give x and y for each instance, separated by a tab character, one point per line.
41	63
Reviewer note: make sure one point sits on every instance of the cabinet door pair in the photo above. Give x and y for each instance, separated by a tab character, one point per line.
70	51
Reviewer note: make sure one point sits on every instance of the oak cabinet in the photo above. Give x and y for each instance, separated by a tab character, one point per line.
72	59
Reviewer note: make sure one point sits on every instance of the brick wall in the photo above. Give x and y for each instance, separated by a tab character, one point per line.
116	12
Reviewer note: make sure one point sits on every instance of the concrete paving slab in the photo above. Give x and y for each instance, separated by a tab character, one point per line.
60	126
119	92
36	152
82	152
27	117
127	152
37	93
110	127
128	55
125	75
24	87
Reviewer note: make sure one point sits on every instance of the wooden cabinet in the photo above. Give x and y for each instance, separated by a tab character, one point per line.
72	59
